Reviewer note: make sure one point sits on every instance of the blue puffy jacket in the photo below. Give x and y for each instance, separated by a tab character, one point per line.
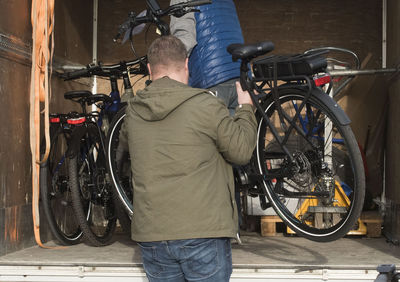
217	26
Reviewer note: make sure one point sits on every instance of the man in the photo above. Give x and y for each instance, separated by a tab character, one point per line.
206	34
182	142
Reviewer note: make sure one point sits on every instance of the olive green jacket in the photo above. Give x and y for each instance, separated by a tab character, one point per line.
182	142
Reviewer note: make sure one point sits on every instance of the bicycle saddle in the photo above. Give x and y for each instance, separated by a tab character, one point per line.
77	94
249	51
99	98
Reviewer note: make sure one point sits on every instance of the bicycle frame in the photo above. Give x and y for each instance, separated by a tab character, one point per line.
251	86
60	122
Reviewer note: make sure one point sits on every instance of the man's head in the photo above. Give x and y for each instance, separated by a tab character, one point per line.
167	56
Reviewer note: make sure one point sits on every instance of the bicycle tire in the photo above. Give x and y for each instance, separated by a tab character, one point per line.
91	191
338	163
55	192
119	164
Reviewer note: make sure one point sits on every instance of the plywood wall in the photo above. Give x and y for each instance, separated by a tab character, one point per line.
73	42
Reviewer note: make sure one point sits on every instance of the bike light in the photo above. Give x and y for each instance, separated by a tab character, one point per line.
322	80
76	121
55	120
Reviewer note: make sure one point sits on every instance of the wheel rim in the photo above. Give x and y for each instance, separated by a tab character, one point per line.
95	192
59	193
290	208
120	168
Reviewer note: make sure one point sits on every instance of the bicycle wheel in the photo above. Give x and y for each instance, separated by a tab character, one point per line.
55	191
119	163
91	190
319	194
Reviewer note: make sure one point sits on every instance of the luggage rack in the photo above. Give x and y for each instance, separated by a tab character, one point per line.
349	70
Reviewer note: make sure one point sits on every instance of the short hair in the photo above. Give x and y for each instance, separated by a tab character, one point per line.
166	52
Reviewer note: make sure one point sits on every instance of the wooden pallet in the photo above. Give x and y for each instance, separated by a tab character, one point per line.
268	225
371	219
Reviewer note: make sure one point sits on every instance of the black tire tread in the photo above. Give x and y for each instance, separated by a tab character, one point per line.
59	235
80	212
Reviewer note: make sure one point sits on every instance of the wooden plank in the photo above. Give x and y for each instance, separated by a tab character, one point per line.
268	225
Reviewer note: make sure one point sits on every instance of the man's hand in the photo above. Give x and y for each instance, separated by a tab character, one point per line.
243	96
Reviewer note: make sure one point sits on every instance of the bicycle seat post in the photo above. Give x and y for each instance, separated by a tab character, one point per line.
127	81
128	91
82	102
247	84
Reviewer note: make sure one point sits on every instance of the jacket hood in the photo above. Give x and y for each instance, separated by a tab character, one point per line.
161	97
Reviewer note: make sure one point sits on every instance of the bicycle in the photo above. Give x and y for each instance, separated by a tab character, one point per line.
91	193
307	156
58	188
112	72
307	163
88	176
54	182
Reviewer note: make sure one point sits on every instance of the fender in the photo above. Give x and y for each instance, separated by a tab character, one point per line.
73	146
332	106
75	142
317	93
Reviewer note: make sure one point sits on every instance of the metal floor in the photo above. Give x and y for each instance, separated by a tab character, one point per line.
257	259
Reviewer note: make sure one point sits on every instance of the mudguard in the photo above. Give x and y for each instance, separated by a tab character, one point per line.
77	135
332	106
73	146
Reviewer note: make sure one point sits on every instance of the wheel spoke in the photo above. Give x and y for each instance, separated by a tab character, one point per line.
318	189
56	198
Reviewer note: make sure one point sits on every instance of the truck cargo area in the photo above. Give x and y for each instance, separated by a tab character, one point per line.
279	258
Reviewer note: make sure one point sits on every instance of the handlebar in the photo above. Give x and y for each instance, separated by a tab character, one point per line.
183	8
155	13
155	8
152	15
78	73
116	70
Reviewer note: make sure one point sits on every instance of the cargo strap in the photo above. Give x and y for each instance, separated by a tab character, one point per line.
42	19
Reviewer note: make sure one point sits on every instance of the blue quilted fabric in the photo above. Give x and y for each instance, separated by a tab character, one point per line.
217	26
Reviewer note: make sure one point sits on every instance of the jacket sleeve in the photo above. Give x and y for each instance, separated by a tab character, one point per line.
184	28
236	136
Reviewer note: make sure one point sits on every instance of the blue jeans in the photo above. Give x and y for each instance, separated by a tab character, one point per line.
227	92
204	260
